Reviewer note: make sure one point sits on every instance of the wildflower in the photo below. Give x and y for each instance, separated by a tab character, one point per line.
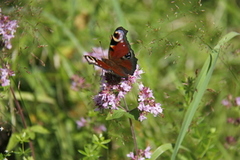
226	103
7	30
142	154
114	89
131	155
230	120
100	128
1	128
147	103
107	97
5	74
110	95
81	123
231	140
237	101
147	152
78	83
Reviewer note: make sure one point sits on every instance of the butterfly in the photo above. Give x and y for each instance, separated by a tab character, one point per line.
121	60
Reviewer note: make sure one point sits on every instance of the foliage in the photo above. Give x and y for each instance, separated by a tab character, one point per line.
91	151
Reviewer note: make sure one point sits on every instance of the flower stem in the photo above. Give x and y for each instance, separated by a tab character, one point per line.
19	108
133	136
132	130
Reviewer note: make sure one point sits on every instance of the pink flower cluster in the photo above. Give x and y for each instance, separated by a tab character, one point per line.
7	30
78	83
147	103
5	74
86	122
142	154
82	122
110	95
230	101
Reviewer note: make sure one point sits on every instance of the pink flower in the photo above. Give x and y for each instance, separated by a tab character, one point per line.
7	30
100	128
147	152
230	120
231	140
226	103
5	74
114	88
110	95
78	83
142	154
147	103
142	117
81	123
237	101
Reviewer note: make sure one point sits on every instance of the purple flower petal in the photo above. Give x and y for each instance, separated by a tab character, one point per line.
5	74
7	30
237	100
81	123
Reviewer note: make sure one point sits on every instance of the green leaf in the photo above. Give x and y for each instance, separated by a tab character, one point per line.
82	152
106	141
115	114
28	158
12	142
134	114
31	134
161	149
39	129
95	138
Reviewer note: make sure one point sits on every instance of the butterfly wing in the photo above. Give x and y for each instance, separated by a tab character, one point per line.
107	65
121	59
121	53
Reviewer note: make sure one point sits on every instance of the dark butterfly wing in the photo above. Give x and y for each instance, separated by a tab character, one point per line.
122	60
107	65
119	46
121	53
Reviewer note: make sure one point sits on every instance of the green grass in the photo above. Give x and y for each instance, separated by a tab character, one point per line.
182	47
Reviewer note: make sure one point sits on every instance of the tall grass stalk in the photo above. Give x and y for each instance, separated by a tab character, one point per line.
201	85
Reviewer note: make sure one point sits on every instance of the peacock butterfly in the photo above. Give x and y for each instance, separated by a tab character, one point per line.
121	60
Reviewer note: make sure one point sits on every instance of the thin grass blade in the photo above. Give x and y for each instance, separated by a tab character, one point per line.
201	85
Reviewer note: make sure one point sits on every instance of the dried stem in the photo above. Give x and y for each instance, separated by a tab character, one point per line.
19	108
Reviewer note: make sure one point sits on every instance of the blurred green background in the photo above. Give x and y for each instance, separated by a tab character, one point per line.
171	40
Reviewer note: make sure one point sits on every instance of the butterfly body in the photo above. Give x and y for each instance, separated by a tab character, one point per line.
121	60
